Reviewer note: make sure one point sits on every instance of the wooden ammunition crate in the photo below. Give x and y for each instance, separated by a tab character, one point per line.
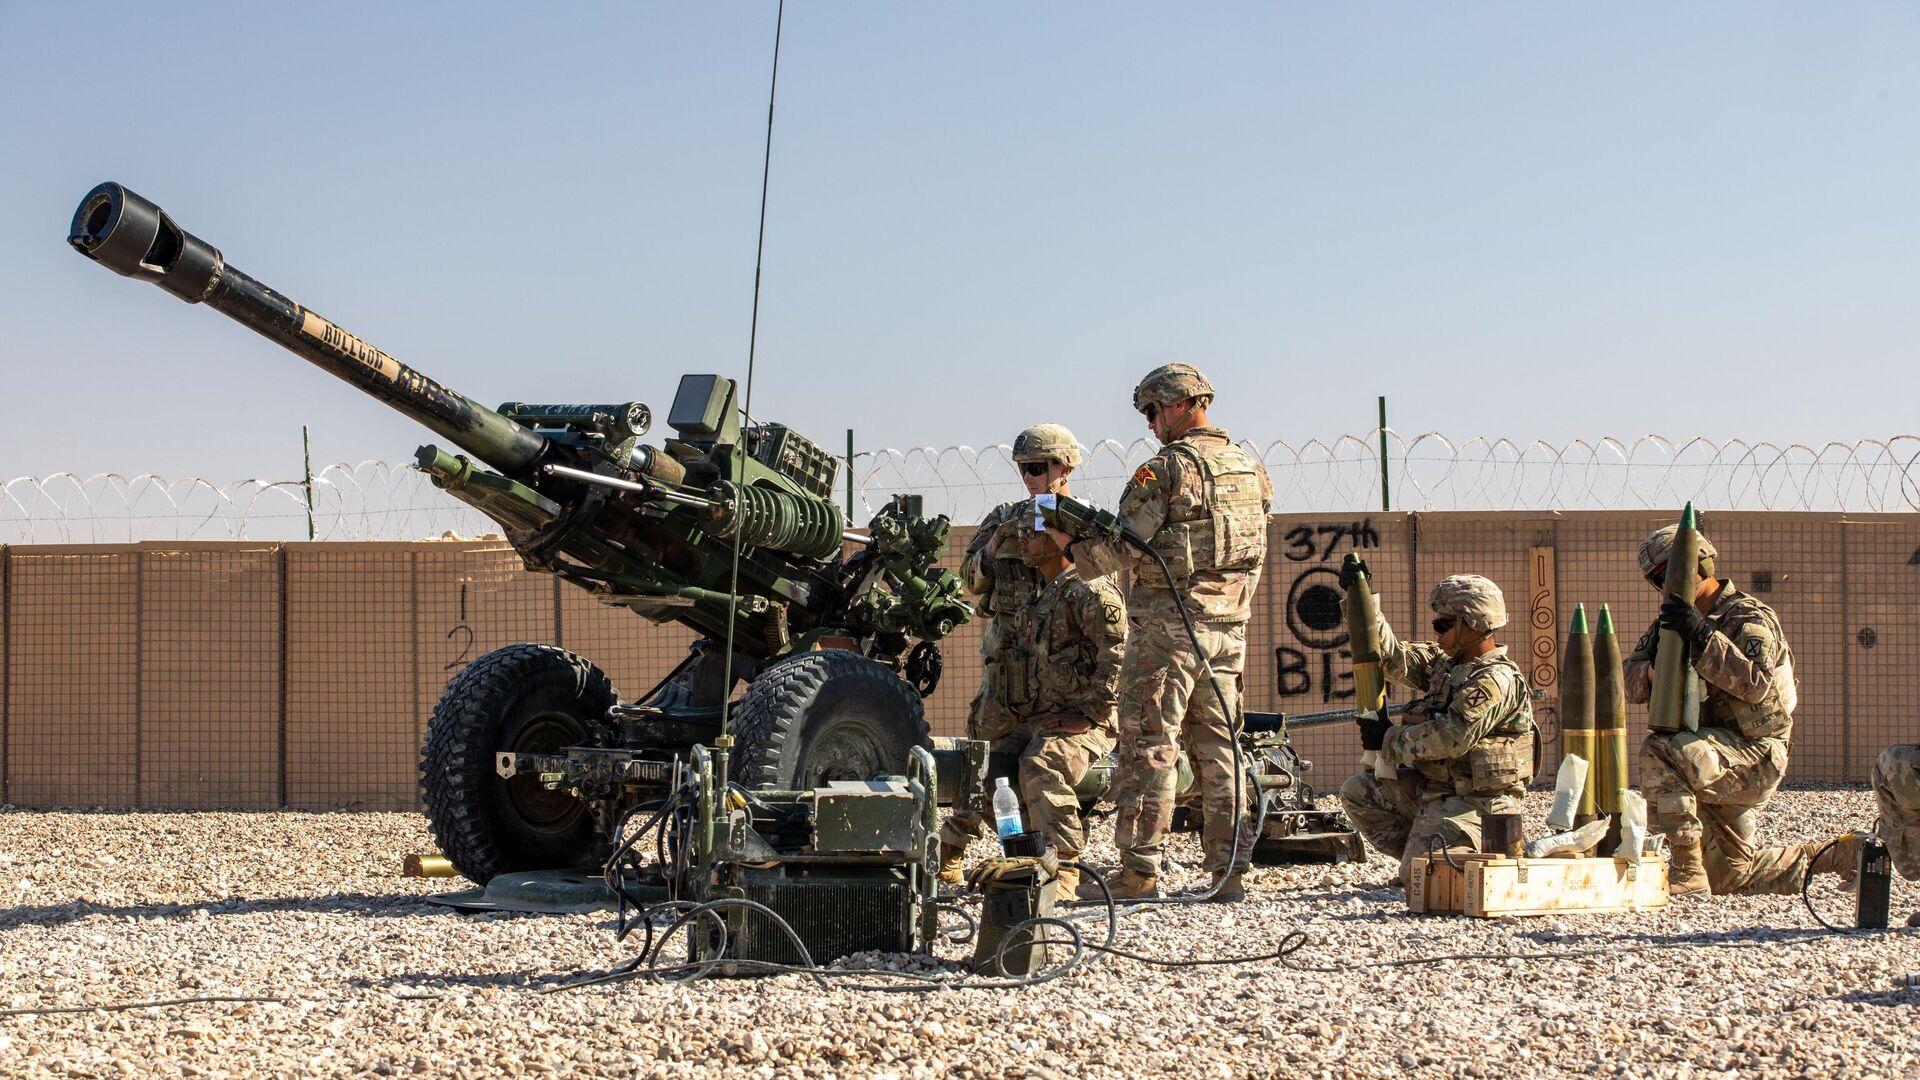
1489	886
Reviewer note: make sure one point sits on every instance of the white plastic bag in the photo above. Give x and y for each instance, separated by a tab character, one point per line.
1568	843
1633	825
1567	787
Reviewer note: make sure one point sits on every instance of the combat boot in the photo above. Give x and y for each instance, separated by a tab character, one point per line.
1134	885
1686	874
1842	857
951	858
1228	888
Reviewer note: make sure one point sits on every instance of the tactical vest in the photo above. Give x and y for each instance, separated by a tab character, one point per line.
1049	661
1014	582
1771	719
1501	763
1227	531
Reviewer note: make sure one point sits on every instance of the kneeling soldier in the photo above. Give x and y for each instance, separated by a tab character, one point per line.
1896	784
1705	788
1464	749
1060	679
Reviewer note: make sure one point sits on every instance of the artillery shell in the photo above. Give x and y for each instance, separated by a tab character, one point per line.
1609	718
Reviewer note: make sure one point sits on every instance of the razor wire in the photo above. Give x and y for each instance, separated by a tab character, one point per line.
376	500
1432	472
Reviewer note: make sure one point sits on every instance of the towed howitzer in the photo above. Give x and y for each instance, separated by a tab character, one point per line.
531	759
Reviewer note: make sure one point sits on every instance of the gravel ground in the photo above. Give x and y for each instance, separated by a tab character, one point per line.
308	910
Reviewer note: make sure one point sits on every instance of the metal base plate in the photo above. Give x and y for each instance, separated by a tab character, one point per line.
541	892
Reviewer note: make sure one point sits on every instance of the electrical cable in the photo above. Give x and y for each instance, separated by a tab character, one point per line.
124	1006
1226	709
1806	891
1566	954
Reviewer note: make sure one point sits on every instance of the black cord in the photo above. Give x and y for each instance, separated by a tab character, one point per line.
1568	954
1806	891
124	1006
1233	737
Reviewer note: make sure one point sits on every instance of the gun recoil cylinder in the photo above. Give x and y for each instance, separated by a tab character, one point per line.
775	519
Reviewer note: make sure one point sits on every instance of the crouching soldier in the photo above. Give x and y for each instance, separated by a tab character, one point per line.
1464	749
1059	679
1705	789
1896	784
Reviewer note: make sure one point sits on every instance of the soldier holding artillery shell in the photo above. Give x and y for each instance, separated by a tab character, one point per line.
1464	749
1705	787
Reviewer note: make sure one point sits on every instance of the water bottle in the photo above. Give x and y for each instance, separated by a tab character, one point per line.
1006	812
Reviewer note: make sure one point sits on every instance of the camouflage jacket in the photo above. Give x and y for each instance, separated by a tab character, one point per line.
1746	667
1003	583
1063	651
1473	728
1202	504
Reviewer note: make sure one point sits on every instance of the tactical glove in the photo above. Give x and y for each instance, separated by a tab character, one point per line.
1684	619
1351	569
1373	730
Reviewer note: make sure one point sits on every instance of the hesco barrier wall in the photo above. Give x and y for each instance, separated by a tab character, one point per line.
201	675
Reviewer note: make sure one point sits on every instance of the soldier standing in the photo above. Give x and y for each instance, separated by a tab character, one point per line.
1705	788
1464	749
993	570
1202	504
1896	785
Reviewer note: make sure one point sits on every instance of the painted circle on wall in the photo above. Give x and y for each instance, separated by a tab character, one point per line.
1313	609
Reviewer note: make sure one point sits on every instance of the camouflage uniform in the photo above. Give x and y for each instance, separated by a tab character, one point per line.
1004	584
1202	503
1705	788
1058	681
1896	784
1464	749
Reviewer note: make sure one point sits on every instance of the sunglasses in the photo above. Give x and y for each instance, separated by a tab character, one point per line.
1034	468
1151	412
1444	623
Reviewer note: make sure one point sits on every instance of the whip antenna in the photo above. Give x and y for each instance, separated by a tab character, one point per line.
753	338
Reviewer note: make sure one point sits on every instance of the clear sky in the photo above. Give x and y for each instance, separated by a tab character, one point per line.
1528	220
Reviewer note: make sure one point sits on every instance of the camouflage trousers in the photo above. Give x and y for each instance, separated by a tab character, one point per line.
1706	788
1413	815
1051	765
1896	784
1166	704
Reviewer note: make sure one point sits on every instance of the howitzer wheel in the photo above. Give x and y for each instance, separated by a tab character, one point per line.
529	699
823	716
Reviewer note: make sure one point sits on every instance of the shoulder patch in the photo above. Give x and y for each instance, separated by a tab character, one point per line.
1754	647
1475	696
1143	475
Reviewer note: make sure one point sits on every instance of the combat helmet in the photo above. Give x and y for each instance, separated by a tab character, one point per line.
1170	384
1047	442
1659	544
1472	599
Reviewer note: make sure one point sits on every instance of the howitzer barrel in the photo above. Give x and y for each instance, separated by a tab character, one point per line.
132	237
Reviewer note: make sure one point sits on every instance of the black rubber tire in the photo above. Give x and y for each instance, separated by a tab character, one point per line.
821	716
527	698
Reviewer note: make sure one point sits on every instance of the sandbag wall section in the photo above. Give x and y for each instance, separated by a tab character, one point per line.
199	675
